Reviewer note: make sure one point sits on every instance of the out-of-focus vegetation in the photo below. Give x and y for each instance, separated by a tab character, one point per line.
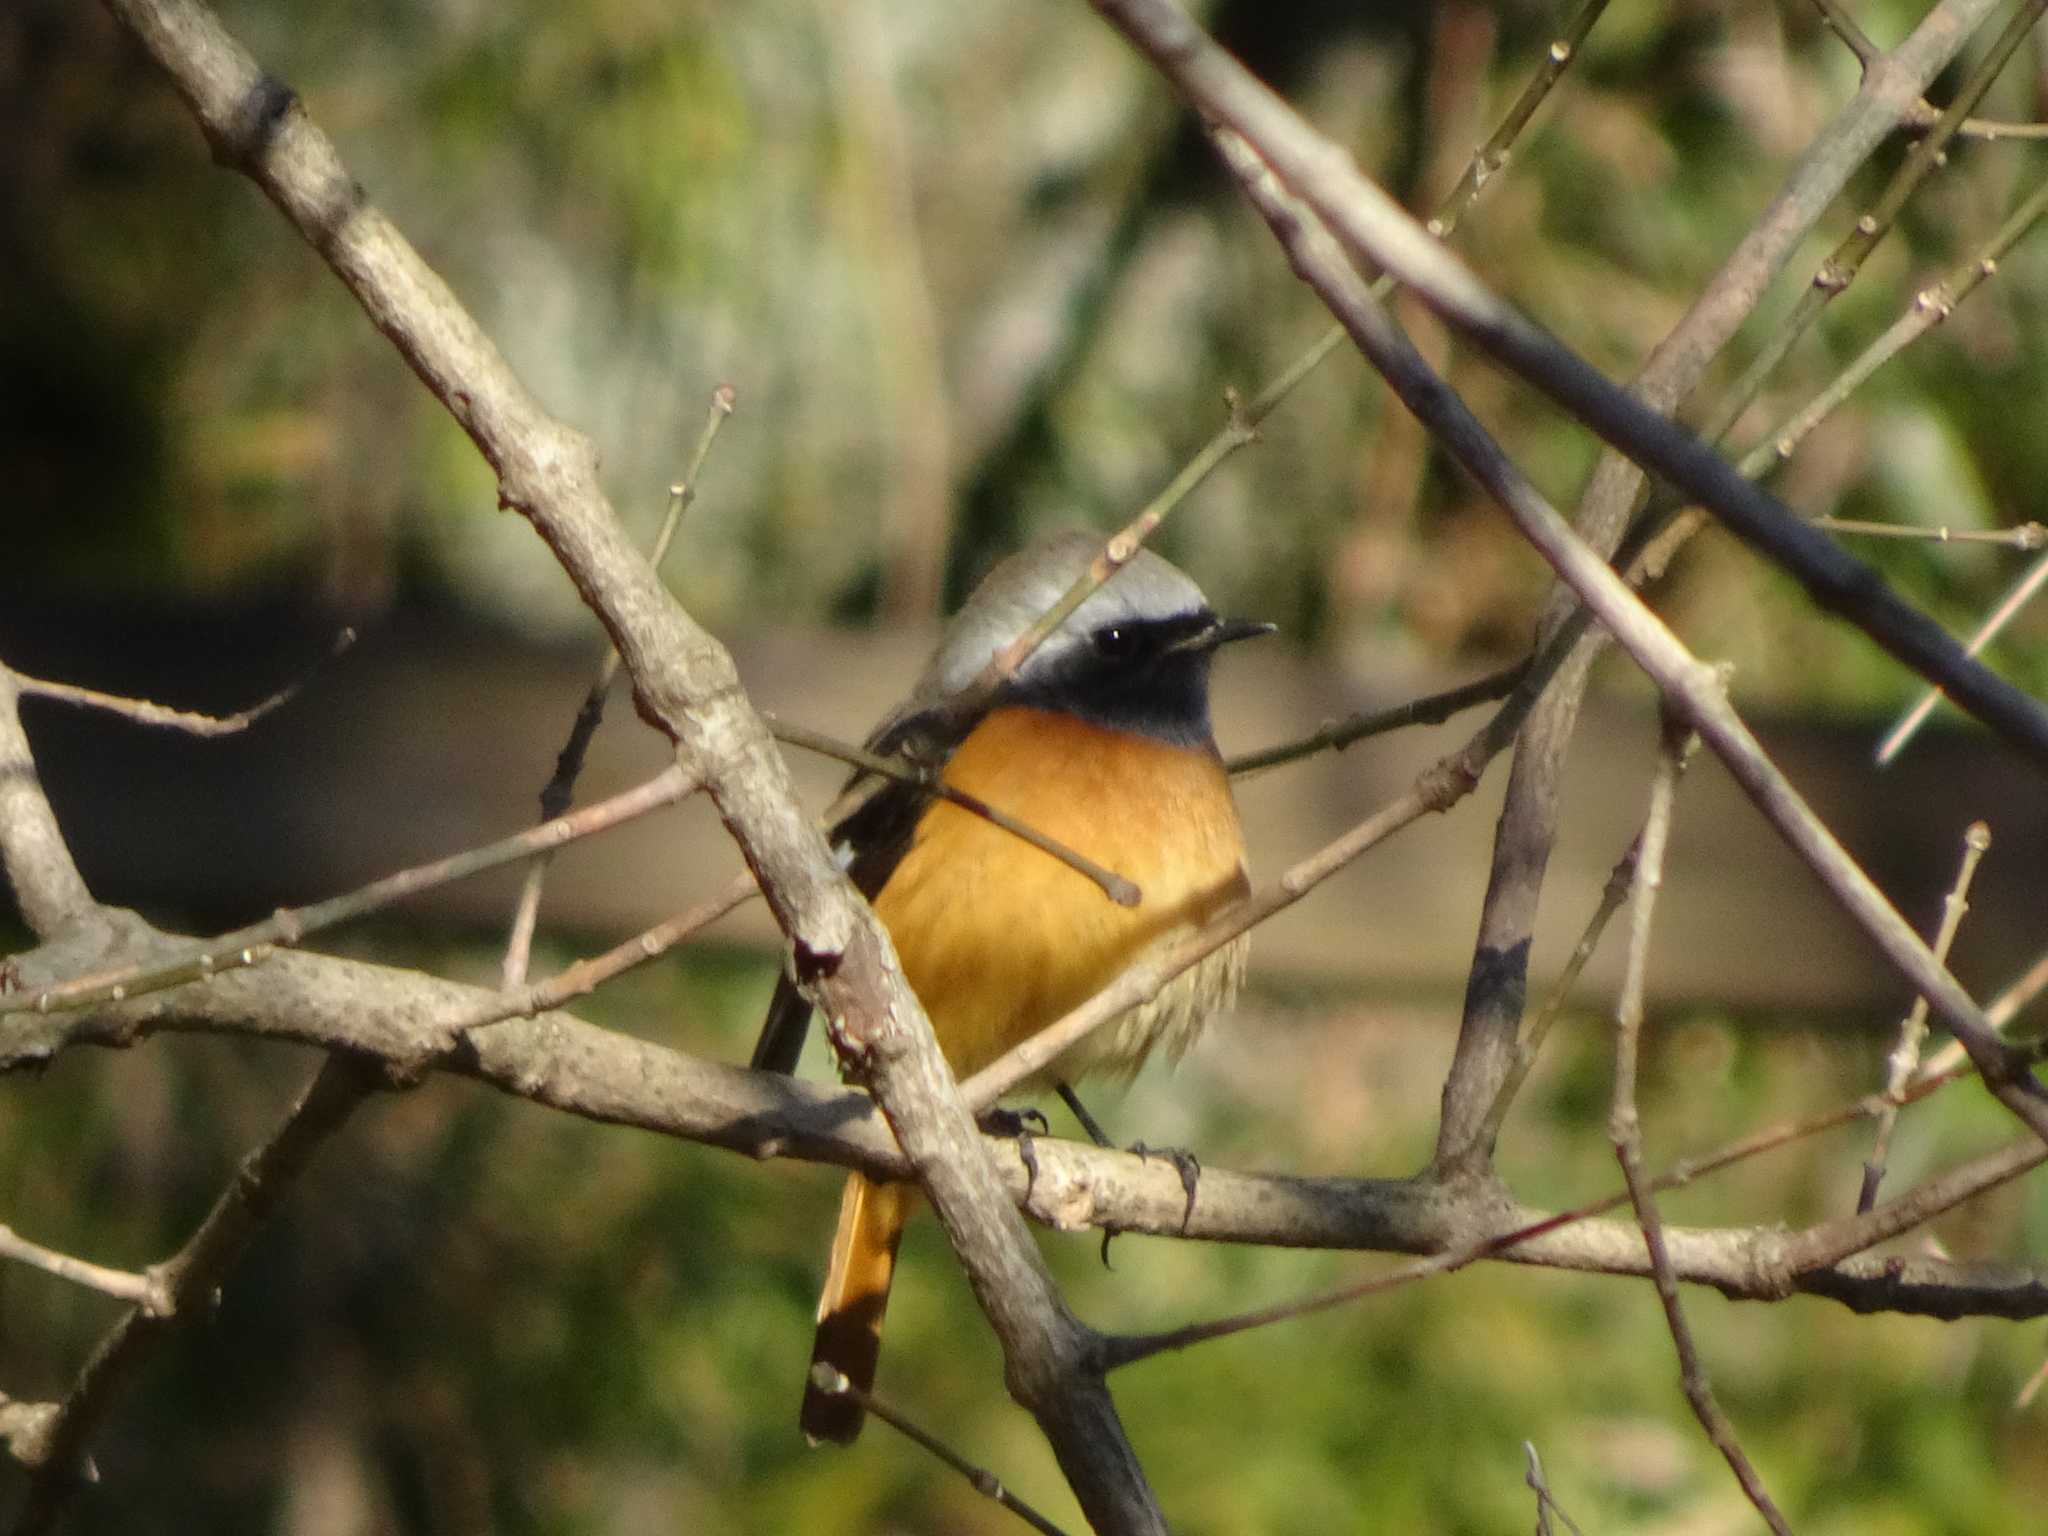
971	275
478	1316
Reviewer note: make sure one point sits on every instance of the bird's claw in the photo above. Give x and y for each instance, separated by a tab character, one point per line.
1186	1164
1017	1125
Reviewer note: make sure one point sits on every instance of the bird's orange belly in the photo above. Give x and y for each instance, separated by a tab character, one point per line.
998	938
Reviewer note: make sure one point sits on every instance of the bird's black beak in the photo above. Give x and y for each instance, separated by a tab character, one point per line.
1223	631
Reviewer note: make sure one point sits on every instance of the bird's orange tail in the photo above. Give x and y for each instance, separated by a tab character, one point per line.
849	1338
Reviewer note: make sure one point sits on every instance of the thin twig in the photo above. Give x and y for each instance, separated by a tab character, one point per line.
1929	308
1690	686
556	795
1113	885
1951	1059
1626	1131
1243	419
119	1283
983	1481
1373	228
190	722
1905	1056
2009	607
1432	709
1619	881
2024	1398
1546	1505
587	975
1843	264
1492	157
288	926
1836	18
1924	114
2019	536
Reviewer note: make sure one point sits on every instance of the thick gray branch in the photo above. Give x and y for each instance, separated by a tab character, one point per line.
406	1020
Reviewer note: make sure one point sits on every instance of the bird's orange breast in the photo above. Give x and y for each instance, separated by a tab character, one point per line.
998	938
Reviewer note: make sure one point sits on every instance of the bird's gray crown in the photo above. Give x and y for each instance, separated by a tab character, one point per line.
1029	582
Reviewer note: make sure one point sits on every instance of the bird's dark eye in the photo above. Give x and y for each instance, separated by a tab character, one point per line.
1116	641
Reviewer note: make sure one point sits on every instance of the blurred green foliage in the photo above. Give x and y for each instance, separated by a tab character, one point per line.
952	314
478	1315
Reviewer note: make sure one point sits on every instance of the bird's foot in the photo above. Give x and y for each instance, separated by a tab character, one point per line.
1017	1125
1185	1163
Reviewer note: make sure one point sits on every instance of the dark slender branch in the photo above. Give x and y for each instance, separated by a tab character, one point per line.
1433	709
1374	229
980	1479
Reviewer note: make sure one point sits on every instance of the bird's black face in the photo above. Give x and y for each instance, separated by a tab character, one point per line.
1146	676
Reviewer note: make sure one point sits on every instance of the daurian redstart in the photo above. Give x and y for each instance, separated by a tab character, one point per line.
1100	741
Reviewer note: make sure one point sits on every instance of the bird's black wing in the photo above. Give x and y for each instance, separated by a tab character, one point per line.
872	839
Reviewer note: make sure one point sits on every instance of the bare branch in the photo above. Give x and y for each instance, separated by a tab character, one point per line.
1545	1504
1905	1056
118	1283
190	722
185	1283
415	1024
983	1481
1842	265
38	866
1435	709
903	771
2019	536
1625	1127
2008	608
556	795
686	685
1689	686
288	926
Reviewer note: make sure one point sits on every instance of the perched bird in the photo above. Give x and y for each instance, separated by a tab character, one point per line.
1102	742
